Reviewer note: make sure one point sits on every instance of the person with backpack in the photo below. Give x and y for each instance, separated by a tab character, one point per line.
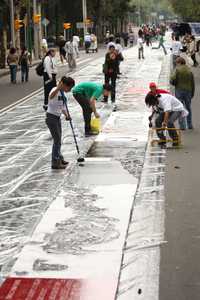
24	62
56	108
49	75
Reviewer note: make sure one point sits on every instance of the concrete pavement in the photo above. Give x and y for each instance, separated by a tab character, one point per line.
180	264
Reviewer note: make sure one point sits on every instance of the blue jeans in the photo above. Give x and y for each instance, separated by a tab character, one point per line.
24	72
186	98
13	73
162	46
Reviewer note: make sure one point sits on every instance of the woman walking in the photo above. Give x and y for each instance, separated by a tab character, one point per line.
13	60
111	68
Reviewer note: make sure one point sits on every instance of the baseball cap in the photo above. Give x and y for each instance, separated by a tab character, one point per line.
152	84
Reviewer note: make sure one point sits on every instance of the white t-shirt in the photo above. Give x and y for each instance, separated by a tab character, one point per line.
176	48
119	48
56	105
50	65
170	103
140	43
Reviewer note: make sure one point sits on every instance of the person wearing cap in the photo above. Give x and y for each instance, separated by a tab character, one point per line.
86	94
154	89
169	109
56	107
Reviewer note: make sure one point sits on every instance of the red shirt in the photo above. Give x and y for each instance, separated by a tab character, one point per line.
160	91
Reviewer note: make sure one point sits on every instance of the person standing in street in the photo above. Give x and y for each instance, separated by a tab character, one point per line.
111	69
192	50
56	108
87	41
24	62
76	41
50	72
183	80
161	44
13	60
71	54
176	50
140	43
119	49
86	94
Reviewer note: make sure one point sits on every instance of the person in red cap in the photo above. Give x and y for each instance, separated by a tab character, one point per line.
154	90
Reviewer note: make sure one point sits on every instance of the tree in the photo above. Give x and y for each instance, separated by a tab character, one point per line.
189	10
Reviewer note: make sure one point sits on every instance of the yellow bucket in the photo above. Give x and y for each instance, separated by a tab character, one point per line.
95	125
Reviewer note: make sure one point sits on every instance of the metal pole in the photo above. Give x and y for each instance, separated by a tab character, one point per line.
12	23
84	6
36	48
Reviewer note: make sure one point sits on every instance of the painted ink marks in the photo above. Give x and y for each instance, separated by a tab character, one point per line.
88	227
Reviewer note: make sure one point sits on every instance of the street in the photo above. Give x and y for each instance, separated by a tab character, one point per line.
124	224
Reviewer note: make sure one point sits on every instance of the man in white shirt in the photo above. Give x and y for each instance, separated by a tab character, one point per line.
50	72
176	49
76	41
87	40
140	43
56	107
169	109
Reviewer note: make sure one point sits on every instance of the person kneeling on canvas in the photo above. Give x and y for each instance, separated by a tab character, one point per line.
86	94
56	107
169	110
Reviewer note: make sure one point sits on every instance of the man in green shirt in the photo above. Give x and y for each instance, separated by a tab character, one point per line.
86	94
183	80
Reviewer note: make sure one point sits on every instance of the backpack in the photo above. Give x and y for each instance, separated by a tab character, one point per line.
24	59
40	68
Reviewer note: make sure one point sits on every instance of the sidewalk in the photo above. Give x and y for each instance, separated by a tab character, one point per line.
73	225
180	266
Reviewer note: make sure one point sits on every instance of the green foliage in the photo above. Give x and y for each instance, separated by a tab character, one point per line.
189	10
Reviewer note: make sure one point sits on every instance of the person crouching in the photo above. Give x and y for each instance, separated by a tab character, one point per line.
56	107
169	109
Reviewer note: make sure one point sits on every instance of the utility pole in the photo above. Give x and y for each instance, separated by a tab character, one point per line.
12	23
36	48
84	6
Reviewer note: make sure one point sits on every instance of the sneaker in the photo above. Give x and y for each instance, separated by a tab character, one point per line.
45	107
57	165
65	163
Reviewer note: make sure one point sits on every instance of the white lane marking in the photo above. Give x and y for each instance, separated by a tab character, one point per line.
28	97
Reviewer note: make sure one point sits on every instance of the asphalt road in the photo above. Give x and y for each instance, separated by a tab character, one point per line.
180	264
11	93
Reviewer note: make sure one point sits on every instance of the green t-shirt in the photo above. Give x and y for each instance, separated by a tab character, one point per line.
89	90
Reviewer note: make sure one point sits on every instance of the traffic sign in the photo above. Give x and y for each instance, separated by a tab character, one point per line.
45	22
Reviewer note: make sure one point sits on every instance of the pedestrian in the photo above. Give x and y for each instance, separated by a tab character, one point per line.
93	46
56	108
107	37
13	60
125	38
140	43
176	50
161	44
192	50
111	41
24	62
131	38
111	69
183	80
86	94
169	109
62	50
76	41
44	46
119	49
70	54
50	72
87	41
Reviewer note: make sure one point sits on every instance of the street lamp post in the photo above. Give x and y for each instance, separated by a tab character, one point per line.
84	6
36	48
12	20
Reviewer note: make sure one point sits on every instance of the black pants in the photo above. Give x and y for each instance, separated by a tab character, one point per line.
87	46
54	124
48	85
87	110
111	78
24	72
193	57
